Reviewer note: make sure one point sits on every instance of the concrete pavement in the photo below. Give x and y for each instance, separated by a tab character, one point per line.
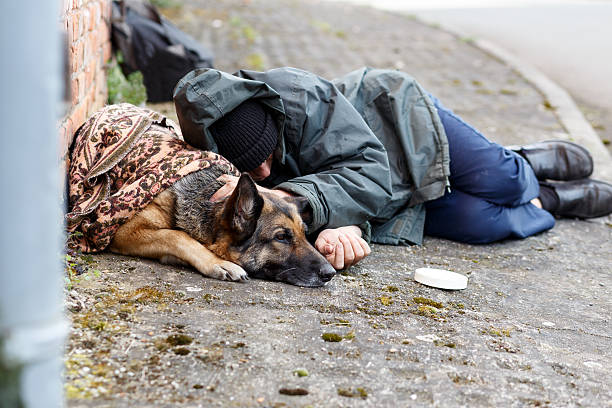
531	329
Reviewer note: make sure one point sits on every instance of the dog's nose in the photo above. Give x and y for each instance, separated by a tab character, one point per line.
326	272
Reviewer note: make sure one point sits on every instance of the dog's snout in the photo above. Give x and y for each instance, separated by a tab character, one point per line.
326	272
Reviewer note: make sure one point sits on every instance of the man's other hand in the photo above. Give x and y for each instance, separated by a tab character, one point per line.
230	184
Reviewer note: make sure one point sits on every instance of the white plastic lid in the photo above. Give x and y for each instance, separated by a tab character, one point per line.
440	278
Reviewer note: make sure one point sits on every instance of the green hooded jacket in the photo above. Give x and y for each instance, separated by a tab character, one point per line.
366	147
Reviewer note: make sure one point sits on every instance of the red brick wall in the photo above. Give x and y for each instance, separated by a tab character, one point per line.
87	26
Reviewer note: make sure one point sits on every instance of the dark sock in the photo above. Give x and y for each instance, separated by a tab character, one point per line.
520	153
549	198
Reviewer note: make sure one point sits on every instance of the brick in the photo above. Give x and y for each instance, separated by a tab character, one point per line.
84	12
93	16
69	38
108	52
78	79
98	68
85	57
68	28
104	31
100	74
96	13
81	53
90	15
83	85
75	21
93	103
74	91
101	89
97	104
95	47
88	49
66	134
99	36
102	36
74	63
90	72
79	115
92	42
76	57
62	133
106	9
88	100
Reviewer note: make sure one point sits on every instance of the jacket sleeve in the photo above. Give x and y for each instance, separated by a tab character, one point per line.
344	169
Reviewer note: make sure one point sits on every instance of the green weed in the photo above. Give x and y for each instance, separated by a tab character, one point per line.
122	89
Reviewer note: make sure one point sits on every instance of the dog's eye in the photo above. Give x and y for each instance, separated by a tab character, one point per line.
283	236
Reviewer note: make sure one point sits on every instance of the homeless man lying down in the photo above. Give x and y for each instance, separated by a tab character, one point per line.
380	159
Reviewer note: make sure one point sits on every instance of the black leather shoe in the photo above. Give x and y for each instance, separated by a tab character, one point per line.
557	160
582	198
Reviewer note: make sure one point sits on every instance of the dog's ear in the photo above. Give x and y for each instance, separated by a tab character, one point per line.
244	207
303	207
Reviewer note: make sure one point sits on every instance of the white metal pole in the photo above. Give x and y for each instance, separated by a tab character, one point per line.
32	326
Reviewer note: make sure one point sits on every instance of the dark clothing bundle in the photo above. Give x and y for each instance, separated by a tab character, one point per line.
154	46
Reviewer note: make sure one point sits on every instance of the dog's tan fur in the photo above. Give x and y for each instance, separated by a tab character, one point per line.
150	234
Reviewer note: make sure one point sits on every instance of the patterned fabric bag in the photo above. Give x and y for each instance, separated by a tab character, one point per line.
123	156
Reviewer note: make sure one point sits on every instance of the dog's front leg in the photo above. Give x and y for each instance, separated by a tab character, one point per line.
161	244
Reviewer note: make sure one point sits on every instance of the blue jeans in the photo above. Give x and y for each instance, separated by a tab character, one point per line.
491	189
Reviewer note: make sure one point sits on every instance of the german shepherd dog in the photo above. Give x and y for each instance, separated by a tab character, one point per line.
248	234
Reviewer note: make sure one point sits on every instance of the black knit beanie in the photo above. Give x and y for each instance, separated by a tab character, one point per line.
246	136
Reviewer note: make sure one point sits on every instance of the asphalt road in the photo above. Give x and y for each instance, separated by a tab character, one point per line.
569	41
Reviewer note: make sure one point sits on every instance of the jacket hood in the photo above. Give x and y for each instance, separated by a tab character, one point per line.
203	96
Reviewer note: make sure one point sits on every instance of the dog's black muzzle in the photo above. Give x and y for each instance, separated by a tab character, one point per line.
326	272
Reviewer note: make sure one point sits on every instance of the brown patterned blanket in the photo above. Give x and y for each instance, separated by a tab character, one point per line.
123	156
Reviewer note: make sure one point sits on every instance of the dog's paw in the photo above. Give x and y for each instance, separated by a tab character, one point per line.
230	271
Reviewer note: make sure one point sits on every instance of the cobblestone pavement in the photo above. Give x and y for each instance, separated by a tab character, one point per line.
531	329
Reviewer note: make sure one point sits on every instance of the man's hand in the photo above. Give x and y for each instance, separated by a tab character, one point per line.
342	247
230	185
